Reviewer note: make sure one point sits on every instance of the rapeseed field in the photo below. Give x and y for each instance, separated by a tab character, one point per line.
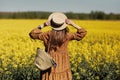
95	57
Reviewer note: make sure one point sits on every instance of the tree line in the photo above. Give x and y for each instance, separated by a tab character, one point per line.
93	15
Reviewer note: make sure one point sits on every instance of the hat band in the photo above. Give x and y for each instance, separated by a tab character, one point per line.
55	25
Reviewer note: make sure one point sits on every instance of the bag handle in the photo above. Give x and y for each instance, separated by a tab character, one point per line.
53	61
49	45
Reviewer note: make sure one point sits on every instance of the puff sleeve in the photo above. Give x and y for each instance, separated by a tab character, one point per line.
80	34
38	34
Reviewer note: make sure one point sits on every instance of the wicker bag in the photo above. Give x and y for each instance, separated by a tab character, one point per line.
43	60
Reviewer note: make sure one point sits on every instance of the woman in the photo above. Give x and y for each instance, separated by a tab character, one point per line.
55	42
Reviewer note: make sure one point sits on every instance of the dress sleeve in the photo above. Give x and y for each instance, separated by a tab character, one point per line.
38	34
80	34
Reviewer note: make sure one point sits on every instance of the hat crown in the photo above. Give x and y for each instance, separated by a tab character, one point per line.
59	18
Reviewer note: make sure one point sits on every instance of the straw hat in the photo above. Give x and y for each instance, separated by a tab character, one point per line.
57	20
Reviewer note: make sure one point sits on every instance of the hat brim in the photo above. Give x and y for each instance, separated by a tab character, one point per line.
61	27
63	16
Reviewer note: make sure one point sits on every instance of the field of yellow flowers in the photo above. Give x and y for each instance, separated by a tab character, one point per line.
96	57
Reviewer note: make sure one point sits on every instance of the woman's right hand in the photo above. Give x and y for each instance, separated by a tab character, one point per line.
47	23
44	25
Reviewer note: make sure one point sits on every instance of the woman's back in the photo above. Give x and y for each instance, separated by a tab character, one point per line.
55	42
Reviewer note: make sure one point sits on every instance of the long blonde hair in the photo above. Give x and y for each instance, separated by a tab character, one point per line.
58	37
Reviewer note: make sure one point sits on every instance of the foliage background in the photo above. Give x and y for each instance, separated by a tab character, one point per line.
93	15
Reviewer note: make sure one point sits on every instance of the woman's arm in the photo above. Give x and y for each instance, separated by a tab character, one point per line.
36	33
70	22
80	34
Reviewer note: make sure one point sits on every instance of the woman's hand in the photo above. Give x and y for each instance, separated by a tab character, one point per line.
44	25
47	23
70	22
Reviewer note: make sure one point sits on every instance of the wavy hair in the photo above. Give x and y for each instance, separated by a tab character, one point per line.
58	37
